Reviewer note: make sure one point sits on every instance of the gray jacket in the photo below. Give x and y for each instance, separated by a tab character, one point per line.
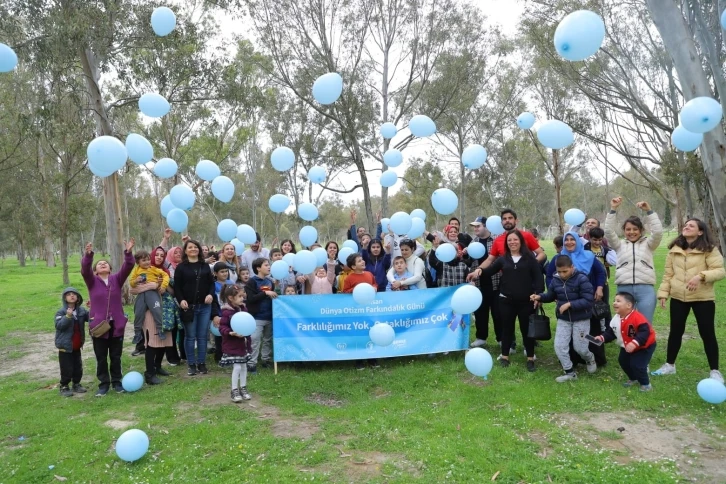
64	325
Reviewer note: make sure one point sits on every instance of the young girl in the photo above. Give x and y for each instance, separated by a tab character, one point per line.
236	349
290	291
322	282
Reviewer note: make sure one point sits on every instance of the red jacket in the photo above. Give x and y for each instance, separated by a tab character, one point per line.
354	279
634	327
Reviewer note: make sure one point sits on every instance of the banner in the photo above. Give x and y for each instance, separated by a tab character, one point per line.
335	327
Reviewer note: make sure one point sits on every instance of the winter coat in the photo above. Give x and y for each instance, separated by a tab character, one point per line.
633	327
682	266
577	290
378	268
635	259
107	296
233	345
64	326
259	304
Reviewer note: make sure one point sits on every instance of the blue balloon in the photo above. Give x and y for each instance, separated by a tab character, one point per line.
289	258
384	224
177	220
278	203
555	134
246	234
343	255
351	245
321	256
422	126
400	223
382	334
307	211
308	235
525	120
243	323
305	262
182	197
388	130
579	35
132	445
328	88
282	158
132	381
701	114
364	294
444	201
419	213
712	391
479	362
239	247
166	205
154	105
466	299
226	230
474	156
139	149
418	227
8	58
207	170
106	155
165	168
223	189
280	269
317	174
393	158
476	250
99	170
684	140
574	216
723	20
389	178
494	225
163	21
446	252
214	330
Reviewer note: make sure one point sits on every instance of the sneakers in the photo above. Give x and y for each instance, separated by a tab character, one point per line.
192	370
65	391
102	391
162	372
78	388
478	343
716	375
236	397
572	376
252	369
629	383
245	394
646	388
524	351
666	369
173	363
373	363
138	352
202	368
530	366
504	363
152	379
592	367
118	388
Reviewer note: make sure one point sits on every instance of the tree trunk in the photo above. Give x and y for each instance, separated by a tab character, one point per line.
20	251
558	189
680	45
64	233
49	249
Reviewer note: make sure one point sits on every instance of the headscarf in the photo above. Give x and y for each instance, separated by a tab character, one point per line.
581	258
170	258
163	264
459	248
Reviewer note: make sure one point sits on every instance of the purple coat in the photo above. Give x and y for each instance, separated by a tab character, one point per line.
109	296
233	345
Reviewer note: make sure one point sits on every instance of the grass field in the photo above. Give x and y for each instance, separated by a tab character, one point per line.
413	420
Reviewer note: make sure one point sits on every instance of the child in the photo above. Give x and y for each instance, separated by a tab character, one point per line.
636	337
221	278
244	276
400	273
339	284
574	294
290	291
322	282
236	349
148	300
70	334
281	285
260	293
359	276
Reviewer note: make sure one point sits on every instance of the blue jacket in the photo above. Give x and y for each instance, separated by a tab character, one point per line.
64	325
577	290
259	304
378	268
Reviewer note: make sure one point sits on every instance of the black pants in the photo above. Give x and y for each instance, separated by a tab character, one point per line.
172	352
180	343
705	312
153	358
598	351
105	349
489	303
510	311
217	348
141	345
635	364
71	367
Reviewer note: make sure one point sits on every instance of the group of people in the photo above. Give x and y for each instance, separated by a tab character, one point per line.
184	292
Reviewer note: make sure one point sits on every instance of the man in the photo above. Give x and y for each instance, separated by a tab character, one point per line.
590	223
255	251
464	239
489	287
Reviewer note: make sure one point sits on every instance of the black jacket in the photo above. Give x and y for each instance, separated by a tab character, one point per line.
519	279
64	325
185	282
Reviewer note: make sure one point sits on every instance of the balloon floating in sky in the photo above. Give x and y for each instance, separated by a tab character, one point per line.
226	230
525	120
166	205
239	247
555	134
393	158
701	114
364	294
132	445
282	158
154	105
466	299
479	362
328	88
165	168
474	156
574	216
418	227
278	203
382	334
317	174
723	20
444	201
223	189
494	225
307	211
422	126
207	170
8	58
106	155
139	149
246	234
177	220
308	235
684	140
388	130
389	178
182	197
579	35
351	245
400	223
418	213
163	21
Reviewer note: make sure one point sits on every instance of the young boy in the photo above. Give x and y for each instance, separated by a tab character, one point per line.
260	291
243	276
290	291
221	278
70	334
636	337
400	273
558	241
359	275
147	300
574	294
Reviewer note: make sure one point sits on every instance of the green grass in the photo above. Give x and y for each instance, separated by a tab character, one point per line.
414	420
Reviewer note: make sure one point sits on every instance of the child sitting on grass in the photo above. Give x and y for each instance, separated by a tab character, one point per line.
236	349
70	334
400	273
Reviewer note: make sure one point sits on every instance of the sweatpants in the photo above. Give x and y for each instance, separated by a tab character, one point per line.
71	367
151	301
705	312
510	311
261	337
574	331
635	364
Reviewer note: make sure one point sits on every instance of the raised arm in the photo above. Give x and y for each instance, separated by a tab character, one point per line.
610	225
86	267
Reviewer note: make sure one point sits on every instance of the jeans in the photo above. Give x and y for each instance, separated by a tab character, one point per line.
635	364
489	303
196	332
104	349
705	312
644	295
261	337
71	367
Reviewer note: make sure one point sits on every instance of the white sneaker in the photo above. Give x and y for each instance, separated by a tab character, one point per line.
478	343
716	375
667	369
592	367
566	377
499	357
534	358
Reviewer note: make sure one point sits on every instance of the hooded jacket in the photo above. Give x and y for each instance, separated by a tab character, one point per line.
635	259
682	266
64	326
577	290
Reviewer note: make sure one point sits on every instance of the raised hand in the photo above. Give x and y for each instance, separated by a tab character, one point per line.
89	248
167	233
615	202
130	244
644	206
353	216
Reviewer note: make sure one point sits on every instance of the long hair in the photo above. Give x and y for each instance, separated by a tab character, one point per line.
184	251
381	254
293	250
524	250
705	242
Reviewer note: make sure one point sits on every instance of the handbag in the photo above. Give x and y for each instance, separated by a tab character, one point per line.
104	326
187	315
539	326
600	310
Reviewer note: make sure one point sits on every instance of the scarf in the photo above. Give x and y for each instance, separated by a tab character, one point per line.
162	266
581	258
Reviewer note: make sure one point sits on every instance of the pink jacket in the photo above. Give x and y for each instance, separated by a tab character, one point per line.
321	285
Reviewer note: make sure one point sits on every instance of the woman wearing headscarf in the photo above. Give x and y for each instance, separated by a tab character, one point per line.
454	272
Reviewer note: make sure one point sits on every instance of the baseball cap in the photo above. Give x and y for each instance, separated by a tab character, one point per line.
479	221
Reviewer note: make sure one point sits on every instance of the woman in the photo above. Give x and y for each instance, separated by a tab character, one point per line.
377	262
454	272
228	255
169	308
194	291
288	247
635	272
521	277
414	264
173	259
105	295
692	266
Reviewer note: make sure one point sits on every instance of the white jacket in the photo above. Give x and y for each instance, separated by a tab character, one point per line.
415	265
635	260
